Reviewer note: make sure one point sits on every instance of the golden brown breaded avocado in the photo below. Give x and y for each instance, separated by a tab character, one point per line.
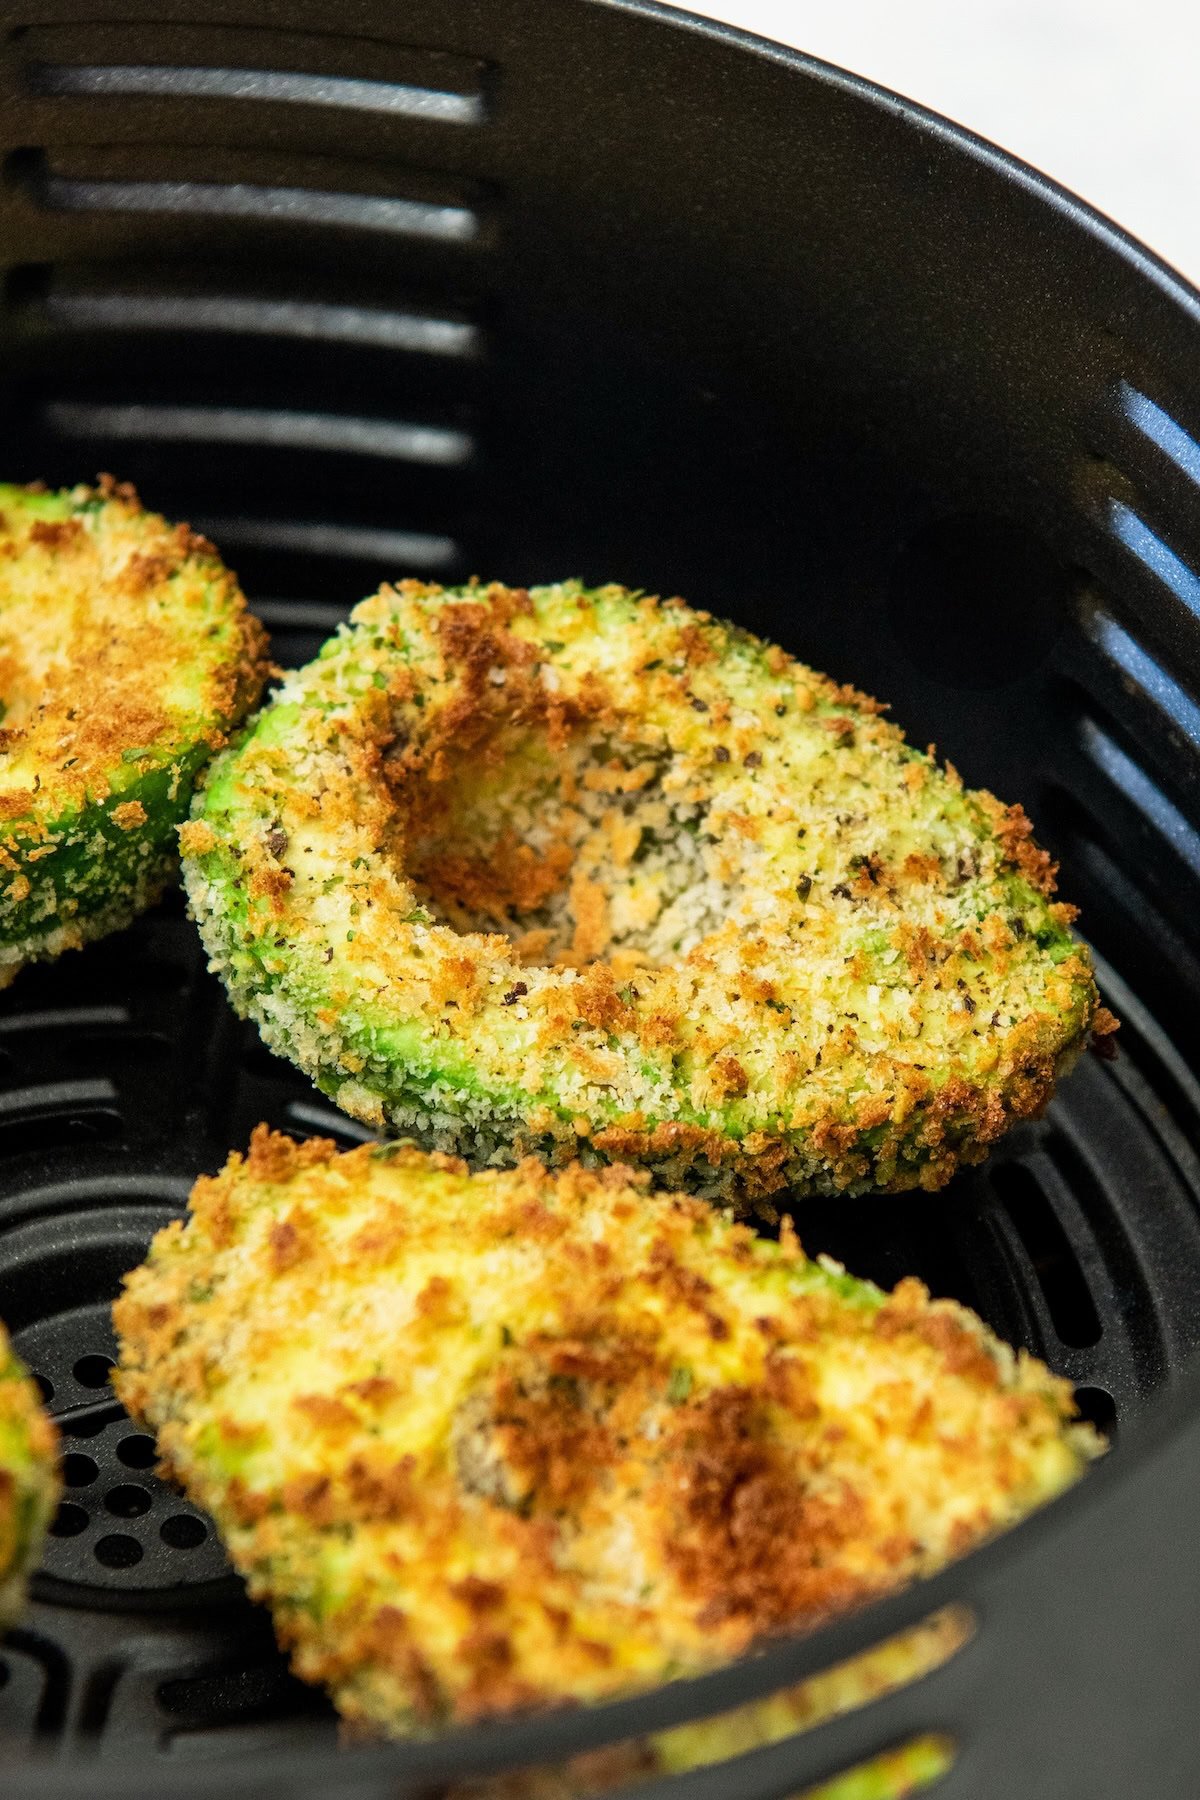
580	873
494	1441
126	656
29	1484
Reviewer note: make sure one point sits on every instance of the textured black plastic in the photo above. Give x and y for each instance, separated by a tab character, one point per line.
533	287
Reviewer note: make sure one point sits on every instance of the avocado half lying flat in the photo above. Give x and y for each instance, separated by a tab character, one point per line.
582	873
514	1438
126	655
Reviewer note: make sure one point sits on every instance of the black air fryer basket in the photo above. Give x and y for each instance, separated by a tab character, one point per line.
529	288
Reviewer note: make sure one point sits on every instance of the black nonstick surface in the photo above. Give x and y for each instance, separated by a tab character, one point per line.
543	287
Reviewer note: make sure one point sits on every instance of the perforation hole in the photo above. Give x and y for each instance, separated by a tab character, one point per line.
1072	1310
182	1532
92	1371
116	1551
128	1501
68	1521
78	1470
107	1535
45	1389
1098	1407
137	1451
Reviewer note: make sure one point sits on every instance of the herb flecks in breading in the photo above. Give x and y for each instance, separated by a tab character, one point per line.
442	1422
126	655
583	873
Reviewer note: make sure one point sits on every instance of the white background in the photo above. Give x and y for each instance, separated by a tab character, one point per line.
1104	95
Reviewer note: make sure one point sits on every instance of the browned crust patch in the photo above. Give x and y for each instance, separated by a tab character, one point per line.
101	695
659	1442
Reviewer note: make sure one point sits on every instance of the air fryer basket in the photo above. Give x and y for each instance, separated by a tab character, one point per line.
536	287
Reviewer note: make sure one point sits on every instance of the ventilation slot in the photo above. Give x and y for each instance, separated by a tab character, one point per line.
1162	431
1148	800
65	999
238	1696
57	1116
69	1019
351	543
1135	535
339	74
262	428
375	213
302	1116
393	100
1137	668
372	328
57	1096
33	1688
87	1421
1055	1262
1155	954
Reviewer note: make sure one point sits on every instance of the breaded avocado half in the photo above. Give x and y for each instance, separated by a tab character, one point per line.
585	874
29	1482
493	1441
126	656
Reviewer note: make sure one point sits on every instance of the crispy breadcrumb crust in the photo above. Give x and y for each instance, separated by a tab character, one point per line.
578	873
126	656
29	1482
513	1439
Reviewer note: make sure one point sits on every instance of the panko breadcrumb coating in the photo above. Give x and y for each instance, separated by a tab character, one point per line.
506	1440
583	874
126	655
29	1483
